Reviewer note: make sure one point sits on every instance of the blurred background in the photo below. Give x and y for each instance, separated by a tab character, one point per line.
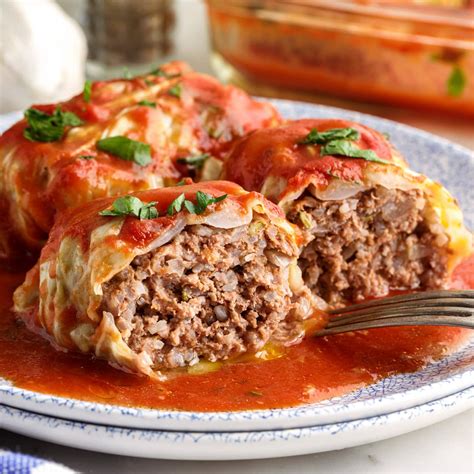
408	60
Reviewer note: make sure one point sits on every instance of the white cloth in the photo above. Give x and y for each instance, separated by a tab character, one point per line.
42	54
17	463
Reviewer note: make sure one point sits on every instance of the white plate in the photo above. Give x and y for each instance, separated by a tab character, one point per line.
440	159
232	445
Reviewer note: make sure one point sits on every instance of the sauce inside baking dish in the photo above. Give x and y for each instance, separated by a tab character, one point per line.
316	369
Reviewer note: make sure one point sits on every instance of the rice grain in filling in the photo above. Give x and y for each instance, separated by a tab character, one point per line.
378	240
208	294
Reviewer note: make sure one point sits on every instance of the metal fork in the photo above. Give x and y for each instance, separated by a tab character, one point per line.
432	308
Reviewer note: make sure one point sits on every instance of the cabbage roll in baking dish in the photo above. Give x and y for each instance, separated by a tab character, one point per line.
370	224
165	278
116	137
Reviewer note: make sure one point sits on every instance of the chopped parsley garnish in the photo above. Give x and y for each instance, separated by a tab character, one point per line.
181	183
131	206
176	90
158	72
320	138
195	161
339	141
346	148
86	157
456	82
147	103
161	73
43	127
126	149
176	205
86	94
190	207
202	201
148	82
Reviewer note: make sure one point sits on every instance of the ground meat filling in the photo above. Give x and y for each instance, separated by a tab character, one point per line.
209	293
369	244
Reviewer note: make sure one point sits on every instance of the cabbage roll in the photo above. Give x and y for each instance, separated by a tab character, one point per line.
163	279
370	224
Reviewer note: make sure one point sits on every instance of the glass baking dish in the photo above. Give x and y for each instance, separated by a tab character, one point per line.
389	52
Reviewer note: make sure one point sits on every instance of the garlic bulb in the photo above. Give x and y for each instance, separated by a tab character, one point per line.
42	54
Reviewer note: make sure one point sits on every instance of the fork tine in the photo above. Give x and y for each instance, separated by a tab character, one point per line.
407	306
436	313
422	296
401	321
409	321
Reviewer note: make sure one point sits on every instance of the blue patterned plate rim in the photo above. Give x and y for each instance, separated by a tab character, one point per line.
231	445
465	395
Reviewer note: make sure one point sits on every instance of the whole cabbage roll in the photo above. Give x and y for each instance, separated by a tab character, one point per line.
163	279
370	224
116	137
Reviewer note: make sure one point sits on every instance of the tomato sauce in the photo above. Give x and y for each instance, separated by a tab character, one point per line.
278	152
54	176
316	369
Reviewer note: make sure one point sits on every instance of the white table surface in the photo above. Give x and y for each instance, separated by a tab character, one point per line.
445	447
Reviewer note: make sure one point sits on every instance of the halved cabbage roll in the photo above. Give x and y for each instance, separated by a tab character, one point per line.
370	224
166	278
116	137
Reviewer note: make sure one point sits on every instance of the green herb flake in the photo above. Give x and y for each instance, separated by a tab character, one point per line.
147	103
148	82
148	211
456	82
176	205
158	72
181	183
131	206
194	161
176	90
86	157
204	200
162	73
347	148
320	138
190	207
43	127
86	94
70	119
126	149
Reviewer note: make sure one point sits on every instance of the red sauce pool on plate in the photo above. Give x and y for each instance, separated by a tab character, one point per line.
316	369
